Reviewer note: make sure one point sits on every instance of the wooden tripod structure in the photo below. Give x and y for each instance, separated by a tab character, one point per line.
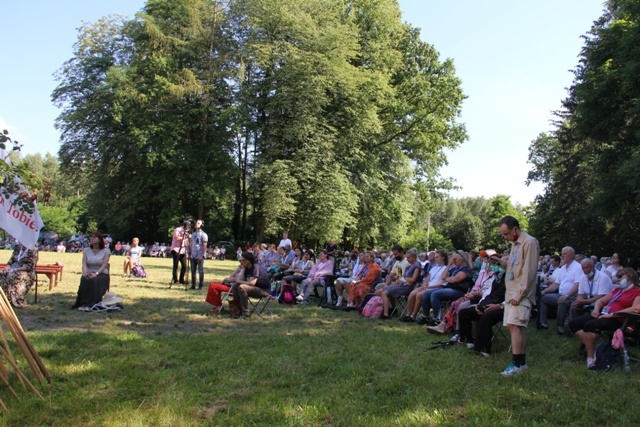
13	325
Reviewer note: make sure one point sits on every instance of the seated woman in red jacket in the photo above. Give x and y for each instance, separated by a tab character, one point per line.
215	289
624	299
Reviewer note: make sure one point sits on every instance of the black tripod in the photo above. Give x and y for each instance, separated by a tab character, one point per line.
445	344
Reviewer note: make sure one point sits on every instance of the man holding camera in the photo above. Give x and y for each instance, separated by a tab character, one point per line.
179	245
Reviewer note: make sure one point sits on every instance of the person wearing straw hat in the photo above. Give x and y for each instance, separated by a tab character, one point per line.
95	273
19	275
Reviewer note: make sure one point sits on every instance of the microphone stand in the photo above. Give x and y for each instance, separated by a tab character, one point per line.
186	238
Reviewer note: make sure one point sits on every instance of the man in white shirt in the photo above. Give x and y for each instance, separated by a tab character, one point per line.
563	290
285	241
594	284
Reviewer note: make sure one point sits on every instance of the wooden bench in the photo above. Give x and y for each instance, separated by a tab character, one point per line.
52	271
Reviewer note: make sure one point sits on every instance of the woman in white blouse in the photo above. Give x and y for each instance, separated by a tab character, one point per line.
95	273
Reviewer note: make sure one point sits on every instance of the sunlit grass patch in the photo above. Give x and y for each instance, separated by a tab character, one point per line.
167	361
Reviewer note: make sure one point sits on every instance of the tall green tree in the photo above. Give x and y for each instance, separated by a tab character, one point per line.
60	186
501	206
161	147
326	79
591	199
322	117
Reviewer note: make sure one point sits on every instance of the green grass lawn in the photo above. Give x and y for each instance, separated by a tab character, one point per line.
166	361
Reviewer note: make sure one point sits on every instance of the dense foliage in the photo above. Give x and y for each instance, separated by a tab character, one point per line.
326	118
472	223
590	162
16	179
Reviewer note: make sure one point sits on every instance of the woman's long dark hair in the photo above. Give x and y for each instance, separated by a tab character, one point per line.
99	236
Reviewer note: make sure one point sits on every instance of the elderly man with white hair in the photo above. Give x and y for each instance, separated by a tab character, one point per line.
593	285
563	290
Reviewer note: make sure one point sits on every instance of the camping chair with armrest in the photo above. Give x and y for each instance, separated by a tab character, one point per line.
329	289
402	300
260	305
499	332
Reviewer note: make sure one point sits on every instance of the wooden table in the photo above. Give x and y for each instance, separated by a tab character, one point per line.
52	271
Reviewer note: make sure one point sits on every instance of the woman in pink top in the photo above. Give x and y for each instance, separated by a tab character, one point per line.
316	276
179	245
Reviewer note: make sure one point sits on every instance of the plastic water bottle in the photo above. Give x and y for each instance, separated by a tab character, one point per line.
454	339
329	298
625	361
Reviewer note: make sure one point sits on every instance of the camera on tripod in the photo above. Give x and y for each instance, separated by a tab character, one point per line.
187	222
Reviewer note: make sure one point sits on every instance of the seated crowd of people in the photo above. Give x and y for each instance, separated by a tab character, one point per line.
120	248
448	291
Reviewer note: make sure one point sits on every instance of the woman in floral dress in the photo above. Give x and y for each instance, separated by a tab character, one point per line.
19	275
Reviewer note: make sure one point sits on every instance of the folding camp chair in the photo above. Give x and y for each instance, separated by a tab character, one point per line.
498	331
225	297
401	302
631	331
329	288
259	306
262	305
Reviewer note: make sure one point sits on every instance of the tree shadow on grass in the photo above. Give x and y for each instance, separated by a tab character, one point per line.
304	369
254	374
165	361
175	312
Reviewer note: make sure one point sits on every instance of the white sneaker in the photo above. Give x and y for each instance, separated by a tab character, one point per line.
471	345
591	361
339	302
299	298
513	370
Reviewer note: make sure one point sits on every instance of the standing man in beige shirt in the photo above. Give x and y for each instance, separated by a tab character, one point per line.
520	294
